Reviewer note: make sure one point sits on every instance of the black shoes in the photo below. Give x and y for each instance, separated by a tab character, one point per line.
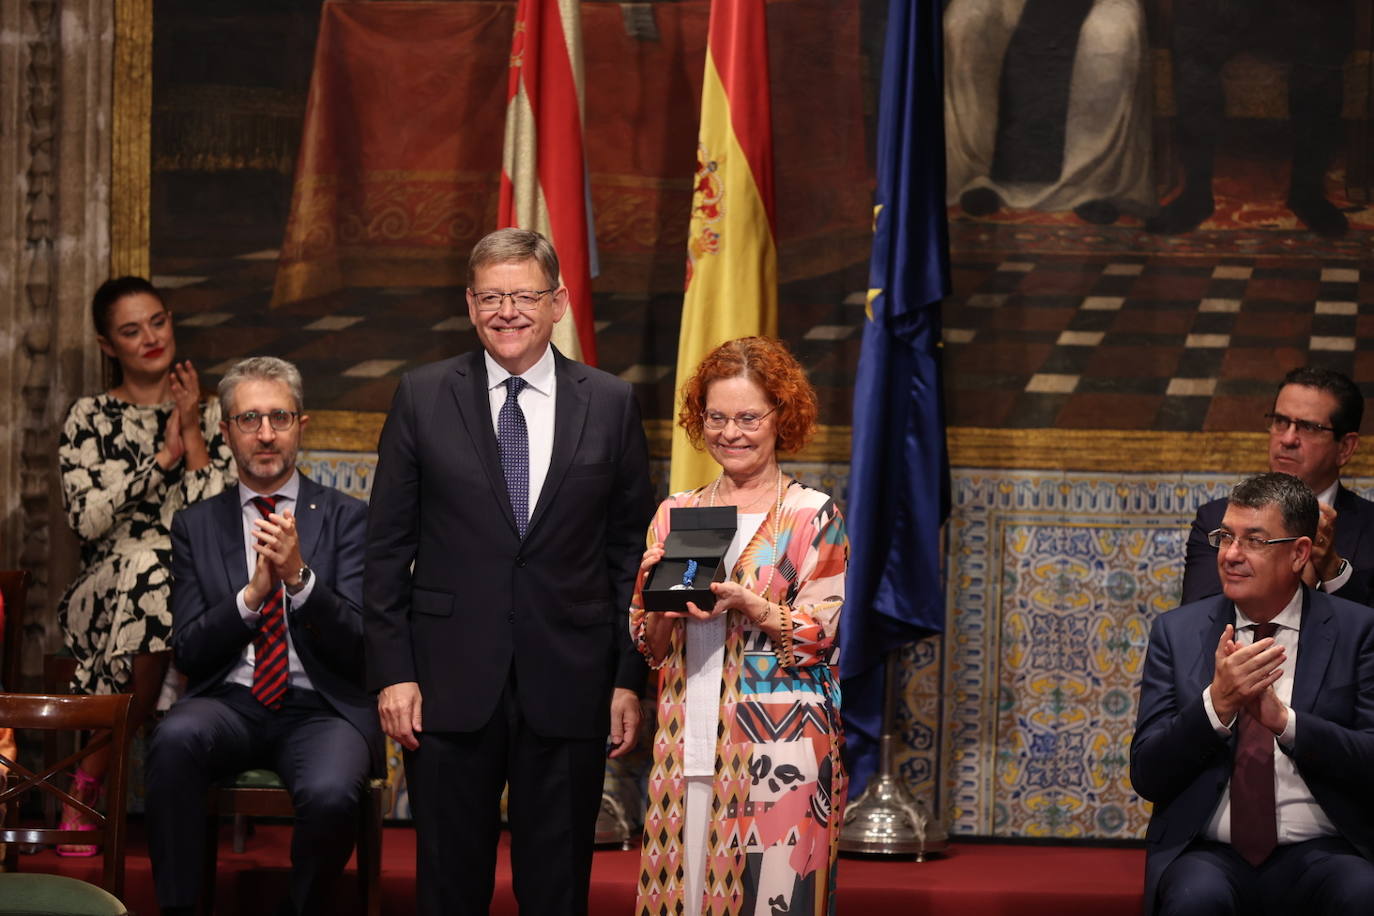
980	201
1318	214
1183	214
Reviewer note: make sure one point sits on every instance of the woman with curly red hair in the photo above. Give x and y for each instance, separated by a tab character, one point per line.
747	790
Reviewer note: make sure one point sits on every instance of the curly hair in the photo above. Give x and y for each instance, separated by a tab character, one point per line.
767	363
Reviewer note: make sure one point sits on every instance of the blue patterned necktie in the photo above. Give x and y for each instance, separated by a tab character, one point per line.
513	440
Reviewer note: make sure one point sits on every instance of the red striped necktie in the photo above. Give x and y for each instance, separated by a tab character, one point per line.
270	665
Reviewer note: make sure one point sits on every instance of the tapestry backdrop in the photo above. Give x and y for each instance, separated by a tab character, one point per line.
1157	208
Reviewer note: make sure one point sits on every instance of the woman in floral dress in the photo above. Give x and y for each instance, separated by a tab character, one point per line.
747	789
129	459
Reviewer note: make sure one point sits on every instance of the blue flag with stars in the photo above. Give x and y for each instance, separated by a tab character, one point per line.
899	467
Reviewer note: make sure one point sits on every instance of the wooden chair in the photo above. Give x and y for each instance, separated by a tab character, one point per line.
260	793
14	584
108	718
14	587
58	670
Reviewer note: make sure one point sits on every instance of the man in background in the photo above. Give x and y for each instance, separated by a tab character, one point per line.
1314	429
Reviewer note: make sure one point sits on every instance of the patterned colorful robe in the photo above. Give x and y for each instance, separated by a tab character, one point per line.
779	788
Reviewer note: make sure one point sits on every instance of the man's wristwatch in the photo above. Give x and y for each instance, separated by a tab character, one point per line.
1340	570
302	580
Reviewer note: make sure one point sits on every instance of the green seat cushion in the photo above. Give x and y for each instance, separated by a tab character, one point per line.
55	895
257	779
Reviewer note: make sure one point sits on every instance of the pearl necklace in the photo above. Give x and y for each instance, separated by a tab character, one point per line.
770	522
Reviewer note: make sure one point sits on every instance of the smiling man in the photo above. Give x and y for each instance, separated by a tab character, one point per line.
267	626
1314	429
1255	735
505	529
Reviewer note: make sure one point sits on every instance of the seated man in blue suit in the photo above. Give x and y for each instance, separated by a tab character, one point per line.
1255	737
267	626
1314	429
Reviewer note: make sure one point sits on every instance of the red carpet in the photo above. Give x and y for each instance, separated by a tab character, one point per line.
973	880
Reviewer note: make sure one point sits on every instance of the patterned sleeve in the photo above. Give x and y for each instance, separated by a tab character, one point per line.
812	607
101	485
212	479
658	532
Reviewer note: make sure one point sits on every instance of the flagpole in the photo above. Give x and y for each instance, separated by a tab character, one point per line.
886	820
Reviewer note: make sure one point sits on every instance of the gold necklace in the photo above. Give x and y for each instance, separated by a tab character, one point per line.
771	530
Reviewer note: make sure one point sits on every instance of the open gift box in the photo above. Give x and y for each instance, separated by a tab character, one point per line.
699	535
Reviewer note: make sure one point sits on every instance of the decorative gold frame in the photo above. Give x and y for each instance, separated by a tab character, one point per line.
1123	451
1113	451
131	147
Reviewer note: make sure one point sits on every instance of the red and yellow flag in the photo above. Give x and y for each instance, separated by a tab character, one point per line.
544	170
732	258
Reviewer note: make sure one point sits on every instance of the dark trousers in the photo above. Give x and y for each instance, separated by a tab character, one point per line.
1312	37
322	759
455	781
1324	877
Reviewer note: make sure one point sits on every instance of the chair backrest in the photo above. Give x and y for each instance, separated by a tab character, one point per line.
108	717
14	586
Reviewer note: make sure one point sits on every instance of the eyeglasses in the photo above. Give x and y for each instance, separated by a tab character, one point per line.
1278	423
250	420
489	300
749	422
1221	539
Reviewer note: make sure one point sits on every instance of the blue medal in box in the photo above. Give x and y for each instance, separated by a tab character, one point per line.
693	558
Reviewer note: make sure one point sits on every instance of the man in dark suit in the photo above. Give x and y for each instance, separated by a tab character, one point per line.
1314	429
267	626
1255	736
505	528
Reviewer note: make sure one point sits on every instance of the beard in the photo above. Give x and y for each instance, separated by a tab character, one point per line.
266	467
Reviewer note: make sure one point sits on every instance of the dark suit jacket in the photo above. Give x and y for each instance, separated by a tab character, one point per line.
479	600
1179	763
1354	542
209	569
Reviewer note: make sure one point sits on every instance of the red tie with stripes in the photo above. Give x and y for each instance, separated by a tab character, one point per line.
270	667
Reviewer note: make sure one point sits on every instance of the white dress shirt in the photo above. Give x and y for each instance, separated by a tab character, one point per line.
242	672
1299	816
537	403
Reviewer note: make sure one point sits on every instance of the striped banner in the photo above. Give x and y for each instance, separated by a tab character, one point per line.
543	171
732	258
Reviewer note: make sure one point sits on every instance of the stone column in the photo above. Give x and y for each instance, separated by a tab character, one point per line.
56	70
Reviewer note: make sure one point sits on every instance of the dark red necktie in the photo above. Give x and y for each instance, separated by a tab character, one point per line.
1254	822
270	665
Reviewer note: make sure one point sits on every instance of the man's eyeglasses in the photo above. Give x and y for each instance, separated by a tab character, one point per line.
1278	423
749	422
250	420
1221	539
489	300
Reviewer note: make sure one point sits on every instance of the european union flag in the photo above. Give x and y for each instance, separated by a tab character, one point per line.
899	468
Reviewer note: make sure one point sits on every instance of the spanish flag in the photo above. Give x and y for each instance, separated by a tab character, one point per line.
732	258
544	169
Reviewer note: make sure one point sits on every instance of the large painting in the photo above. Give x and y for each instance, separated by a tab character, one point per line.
319	172
1157	208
